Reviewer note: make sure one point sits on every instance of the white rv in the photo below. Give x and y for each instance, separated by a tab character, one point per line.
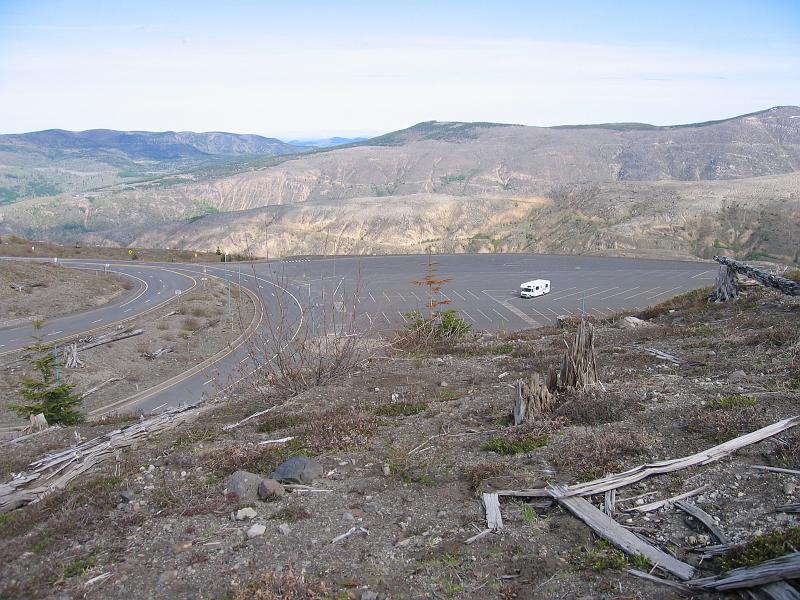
537	287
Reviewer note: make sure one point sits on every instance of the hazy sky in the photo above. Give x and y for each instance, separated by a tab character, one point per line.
300	69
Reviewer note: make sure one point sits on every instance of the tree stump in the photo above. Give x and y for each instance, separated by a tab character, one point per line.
579	366
727	288
533	400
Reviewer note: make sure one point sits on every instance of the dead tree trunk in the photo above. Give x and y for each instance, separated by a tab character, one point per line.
71	360
787	286
579	366
533	400
727	288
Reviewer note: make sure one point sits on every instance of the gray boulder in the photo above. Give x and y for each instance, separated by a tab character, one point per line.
244	484
298	469
269	489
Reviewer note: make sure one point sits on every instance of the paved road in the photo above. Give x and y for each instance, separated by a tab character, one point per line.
484	288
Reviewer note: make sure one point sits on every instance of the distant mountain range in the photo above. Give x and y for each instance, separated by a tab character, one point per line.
326	142
622	187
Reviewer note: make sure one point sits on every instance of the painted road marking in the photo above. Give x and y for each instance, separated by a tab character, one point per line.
473	295
700	274
641	293
209	381
415	296
401	296
370	319
97	321
680	287
385	317
620	293
602	292
501	316
55	333
484	314
512	309
387	297
469	316
402	316
371	296
459	295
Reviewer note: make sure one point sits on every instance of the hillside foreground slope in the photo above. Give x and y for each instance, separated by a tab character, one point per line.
406	445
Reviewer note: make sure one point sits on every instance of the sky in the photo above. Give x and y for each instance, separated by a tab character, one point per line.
306	69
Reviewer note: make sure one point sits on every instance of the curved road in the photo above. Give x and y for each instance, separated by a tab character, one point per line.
484	288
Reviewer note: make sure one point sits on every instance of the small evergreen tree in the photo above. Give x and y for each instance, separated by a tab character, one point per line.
47	395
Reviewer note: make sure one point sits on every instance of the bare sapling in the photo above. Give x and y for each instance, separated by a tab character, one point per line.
308	337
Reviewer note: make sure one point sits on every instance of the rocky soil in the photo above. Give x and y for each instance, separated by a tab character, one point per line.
399	452
49	290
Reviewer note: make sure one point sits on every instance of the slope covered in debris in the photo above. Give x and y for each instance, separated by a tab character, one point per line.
405	448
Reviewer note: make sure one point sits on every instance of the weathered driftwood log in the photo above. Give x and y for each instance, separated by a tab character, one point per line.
727	288
534	399
55	470
108	338
776	569
579	366
155	354
787	286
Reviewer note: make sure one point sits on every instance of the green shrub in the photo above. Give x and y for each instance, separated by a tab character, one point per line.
401	409
515	445
733	402
763	547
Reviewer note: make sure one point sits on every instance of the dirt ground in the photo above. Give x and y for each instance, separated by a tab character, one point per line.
50	290
194	325
407	444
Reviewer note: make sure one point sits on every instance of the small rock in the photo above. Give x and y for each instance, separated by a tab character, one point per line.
639	501
284	529
789	488
298	469
370	508
348	517
633	323
369	595
246	513
126	496
256	530
386	471
244	484
442	384
181	547
737	376
167	577
269	489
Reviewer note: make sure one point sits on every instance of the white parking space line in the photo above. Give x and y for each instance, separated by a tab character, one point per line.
387	297
97	321
401	296
402	316
701	274
209	381
552	311
620	293
370	319
469	316
602	292
55	333
641	293
385	317
372	297
473	295
484	314
680	287
244	360
417	297
459	295
579	292
501	316
559	292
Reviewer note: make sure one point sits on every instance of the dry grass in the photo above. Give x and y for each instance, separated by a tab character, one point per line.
344	427
591	453
695	301
594	408
477	475
723	419
284	585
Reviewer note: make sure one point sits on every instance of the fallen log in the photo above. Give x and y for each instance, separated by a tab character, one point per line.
608	529
701	516
99	385
769	571
108	338
782	284
55	470
494	519
618	480
156	353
